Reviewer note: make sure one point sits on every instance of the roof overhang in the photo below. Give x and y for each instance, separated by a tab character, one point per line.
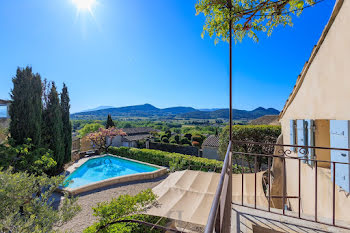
314	52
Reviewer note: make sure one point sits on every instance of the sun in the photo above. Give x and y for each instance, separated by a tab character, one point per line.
84	4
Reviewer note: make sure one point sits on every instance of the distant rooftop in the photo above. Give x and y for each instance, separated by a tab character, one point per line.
138	130
211	141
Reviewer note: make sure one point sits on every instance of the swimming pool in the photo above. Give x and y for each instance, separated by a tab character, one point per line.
106	170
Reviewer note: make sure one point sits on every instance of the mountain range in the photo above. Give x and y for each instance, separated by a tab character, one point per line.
148	110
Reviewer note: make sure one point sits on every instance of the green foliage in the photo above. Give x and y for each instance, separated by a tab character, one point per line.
173	141
89	128
254	133
198	138
188	136
177	139
67	125
168	133
109	122
248	17
26	157
185	141
125	207
174	161
53	126
26	107
25	204
165	139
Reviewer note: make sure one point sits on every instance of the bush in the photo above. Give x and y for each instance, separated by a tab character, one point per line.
185	141
188	136
26	203
174	161
254	133
177	139
165	140
125	207
173	141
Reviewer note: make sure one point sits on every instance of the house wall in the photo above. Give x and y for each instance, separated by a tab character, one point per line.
117	141
210	153
324	94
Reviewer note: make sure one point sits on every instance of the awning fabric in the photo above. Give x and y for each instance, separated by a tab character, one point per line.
188	195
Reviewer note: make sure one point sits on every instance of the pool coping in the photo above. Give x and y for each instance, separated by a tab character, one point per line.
114	180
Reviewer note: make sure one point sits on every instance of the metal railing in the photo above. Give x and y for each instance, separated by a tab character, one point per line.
220	213
287	154
220	217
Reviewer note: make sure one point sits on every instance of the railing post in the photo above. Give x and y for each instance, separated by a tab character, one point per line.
255	164
269	177
299	193
315	190
334	193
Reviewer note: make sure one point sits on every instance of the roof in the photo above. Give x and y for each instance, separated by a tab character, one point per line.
314	52
4	101
136	137
212	141
138	130
266	120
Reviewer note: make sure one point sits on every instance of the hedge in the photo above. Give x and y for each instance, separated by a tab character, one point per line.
174	161
253	133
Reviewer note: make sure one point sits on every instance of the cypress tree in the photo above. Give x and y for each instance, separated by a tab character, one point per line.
67	125
26	107
53	126
109	122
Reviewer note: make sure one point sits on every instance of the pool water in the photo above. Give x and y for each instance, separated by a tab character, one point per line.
102	168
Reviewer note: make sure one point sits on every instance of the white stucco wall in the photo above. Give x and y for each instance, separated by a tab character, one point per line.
323	94
210	153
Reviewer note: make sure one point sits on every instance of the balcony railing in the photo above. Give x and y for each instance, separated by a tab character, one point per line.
220	214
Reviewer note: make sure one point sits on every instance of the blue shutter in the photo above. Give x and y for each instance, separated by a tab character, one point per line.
339	138
310	124
292	134
302	138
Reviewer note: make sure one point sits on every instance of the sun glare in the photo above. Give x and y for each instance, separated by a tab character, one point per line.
84	4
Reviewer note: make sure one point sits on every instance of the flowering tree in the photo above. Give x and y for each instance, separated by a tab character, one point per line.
103	138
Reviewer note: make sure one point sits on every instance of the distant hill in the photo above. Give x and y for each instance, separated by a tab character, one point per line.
148	110
237	114
145	110
98	108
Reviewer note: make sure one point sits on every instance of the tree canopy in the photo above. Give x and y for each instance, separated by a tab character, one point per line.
248	17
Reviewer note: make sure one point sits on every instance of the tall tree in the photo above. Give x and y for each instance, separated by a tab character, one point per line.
53	126
26	107
109	122
67	125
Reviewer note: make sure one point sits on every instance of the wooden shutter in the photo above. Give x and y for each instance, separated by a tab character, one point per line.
292	134
339	138
310	124
302	138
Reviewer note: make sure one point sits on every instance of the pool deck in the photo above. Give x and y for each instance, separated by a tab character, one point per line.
114	180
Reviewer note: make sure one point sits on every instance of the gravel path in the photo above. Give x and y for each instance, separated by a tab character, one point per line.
88	200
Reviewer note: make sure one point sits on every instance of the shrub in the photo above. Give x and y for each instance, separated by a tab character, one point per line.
177	139
125	207
184	141
26	205
254	133
165	140
174	161
173	141
188	136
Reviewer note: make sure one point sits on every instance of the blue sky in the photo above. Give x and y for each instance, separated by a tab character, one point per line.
150	51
